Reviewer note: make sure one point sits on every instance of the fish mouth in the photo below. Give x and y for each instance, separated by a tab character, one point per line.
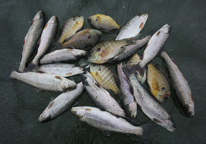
78	112
89	19
162	97
131	110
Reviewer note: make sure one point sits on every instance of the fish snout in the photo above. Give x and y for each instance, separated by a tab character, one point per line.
89	19
78	112
131	109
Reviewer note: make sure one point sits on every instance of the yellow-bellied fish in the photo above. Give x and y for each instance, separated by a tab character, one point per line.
70	27
103	22
84	39
104	51
158	83
105	77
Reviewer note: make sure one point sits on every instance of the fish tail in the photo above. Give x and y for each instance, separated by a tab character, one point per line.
32	67
57	45
21	67
145	134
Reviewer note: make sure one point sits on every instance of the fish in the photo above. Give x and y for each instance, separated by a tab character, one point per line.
100	96
130	105
84	39
103	23
105	77
44	81
104	51
158	83
31	38
63	55
130	50
150	107
133	60
61	69
154	46
180	85
107	122
61	103
46	39
70	27
133	27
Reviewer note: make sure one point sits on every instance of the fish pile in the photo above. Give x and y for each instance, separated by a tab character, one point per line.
50	72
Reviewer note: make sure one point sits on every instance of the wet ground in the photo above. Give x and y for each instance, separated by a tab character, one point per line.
21	104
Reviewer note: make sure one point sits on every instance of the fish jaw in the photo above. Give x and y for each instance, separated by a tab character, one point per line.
44	116
169	124
93	58
67	85
78	112
166	28
131	109
162	96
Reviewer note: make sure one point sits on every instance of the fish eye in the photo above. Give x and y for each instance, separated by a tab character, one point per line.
98	49
96	19
74	19
89	37
163	88
99	69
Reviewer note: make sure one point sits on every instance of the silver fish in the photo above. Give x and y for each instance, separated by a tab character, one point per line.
46	39
107	122
31	38
61	69
63	55
61	103
133	27
148	104
180	86
100	96
129	102
130	50
44	81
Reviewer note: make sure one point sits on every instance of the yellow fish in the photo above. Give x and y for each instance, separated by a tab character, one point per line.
105	77
133	60
158	83
104	51
103	23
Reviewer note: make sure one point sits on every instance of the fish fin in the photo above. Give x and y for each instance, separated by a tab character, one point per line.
57	46
145	135
134	121
32	67
107	133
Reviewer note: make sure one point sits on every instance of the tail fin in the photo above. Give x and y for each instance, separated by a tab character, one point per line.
57	46
146	129
32	67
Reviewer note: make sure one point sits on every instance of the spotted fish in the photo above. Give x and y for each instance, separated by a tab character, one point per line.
105	77
103	22
158	83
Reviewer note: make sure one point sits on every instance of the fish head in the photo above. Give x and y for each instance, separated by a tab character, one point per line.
131	109
96	33
79	20
94	20
169	124
44	116
163	95
53	20
143	17
93	56
165	29
65	84
95	68
87	79
77	52
78	112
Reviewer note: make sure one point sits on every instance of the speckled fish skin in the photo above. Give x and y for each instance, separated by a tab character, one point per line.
149	105
84	39
31	38
133	27
130	50
158	83
103	22
104	51
105	121
180	86
130	105
104	76
63	55
100	96
71	26
46	39
61	103
61	69
44	81
155	44
133	60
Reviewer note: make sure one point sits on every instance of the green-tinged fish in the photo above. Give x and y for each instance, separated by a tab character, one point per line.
103	23
45	41
180	86
149	105
70	27
158	83
105	77
44	81
61	103
61	69
104	51
63	55
100	96
133	60
84	39
107	122
31	38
